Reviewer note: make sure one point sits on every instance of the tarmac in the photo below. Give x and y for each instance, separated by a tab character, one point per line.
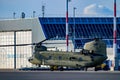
59	75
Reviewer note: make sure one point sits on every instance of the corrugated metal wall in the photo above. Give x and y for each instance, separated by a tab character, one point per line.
22	52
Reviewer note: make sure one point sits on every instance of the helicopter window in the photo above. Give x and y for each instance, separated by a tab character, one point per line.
92	58
72	58
40	57
59	57
96	44
85	52
80	59
50	57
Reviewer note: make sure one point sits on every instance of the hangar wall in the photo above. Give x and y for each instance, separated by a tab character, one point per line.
7	49
27	31
24	24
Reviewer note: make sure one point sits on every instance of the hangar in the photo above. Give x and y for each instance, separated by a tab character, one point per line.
18	35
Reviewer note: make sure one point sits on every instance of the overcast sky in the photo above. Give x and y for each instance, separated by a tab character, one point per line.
57	7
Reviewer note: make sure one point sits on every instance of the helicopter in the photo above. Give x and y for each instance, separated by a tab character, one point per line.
93	54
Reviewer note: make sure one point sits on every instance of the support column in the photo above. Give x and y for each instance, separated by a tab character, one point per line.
115	39
14	49
67	32
74	26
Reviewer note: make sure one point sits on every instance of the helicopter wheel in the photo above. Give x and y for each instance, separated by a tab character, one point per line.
52	68
85	68
61	68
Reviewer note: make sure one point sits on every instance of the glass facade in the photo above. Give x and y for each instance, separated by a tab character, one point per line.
86	28
22	51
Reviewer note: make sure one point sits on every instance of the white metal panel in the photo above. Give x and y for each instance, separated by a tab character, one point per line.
37	32
24	24
16	24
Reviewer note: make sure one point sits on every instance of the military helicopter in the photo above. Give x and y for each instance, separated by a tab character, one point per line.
92	55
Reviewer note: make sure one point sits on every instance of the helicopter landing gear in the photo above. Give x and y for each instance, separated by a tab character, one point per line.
83	68
52	68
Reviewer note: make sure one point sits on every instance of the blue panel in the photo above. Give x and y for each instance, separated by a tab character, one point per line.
86	28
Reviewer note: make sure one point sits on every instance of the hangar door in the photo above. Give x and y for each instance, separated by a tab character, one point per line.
23	40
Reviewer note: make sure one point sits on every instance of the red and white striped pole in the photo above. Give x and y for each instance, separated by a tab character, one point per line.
115	37
67	32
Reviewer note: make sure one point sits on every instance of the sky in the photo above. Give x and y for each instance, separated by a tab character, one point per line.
57	8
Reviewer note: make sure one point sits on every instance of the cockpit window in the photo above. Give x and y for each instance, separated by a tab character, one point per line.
50	57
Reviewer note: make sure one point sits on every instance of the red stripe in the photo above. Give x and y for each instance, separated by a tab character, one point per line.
67	40
114	9
67	17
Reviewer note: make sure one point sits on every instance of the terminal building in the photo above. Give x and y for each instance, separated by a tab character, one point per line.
17	36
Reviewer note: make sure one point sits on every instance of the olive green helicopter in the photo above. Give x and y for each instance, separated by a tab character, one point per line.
93	54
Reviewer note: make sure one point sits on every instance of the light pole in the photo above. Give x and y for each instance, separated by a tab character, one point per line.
34	13
15	50
43	11
74	25
115	39
14	15
67	27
